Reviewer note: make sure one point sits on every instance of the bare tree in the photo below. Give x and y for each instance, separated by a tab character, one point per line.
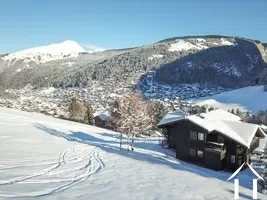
132	116
77	110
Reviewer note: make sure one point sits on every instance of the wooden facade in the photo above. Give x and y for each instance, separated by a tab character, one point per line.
209	149
99	122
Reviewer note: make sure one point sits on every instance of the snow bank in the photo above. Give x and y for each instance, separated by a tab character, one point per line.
48	90
182	45
252	99
201	40
227	43
155	56
69	64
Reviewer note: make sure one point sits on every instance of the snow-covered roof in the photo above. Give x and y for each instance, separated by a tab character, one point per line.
221	114
240	132
245	130
171	117
217	125
218	114
103	116
206	124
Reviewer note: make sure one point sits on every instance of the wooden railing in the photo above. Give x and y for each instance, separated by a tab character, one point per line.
214	145
217	147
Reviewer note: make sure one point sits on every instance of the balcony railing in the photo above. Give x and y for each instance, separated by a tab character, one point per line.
216	147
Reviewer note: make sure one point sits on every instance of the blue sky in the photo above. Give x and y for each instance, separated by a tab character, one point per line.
125	23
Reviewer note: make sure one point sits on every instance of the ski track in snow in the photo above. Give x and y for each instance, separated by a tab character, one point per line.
90	161
71	167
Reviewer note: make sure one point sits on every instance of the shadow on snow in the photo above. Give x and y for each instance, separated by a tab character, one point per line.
112	146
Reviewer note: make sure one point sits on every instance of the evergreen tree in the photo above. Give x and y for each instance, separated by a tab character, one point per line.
247	117
211	108
88	118
238	113
159	111
233	111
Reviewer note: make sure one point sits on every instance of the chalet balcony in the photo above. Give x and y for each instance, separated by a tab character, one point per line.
214	154
218	148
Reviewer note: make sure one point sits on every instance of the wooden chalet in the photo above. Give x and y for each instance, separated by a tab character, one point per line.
216	140
101	120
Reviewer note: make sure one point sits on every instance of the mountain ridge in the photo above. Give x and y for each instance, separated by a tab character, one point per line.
46	53
219	60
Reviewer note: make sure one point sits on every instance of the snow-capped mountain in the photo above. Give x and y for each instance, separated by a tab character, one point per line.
44	54
229	62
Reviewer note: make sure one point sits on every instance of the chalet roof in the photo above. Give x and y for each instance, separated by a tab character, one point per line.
171	117
220	114
102	116
227	125
246	131
241	132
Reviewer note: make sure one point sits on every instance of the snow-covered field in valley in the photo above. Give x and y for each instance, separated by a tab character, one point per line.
252	98
47	158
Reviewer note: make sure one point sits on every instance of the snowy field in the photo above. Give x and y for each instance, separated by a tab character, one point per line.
251	99
47	158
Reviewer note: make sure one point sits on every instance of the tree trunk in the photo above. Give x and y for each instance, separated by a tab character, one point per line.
128	142
121	141
132	143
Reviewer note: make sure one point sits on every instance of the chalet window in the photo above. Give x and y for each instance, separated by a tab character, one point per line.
193	152
199	154
200	136
193	135
232	159
220	139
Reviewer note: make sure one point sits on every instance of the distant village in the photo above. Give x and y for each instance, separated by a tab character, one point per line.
55	101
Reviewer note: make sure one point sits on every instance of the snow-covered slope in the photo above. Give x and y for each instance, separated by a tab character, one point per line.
251	99
44	54
55	159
